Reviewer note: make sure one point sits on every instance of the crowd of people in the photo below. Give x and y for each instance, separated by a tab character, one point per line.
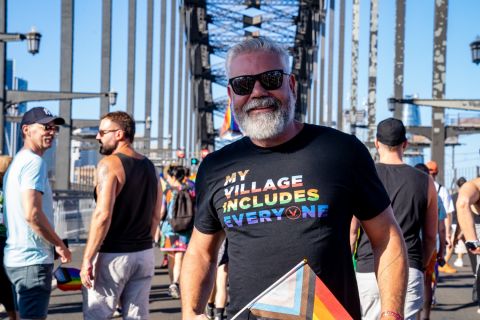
285	192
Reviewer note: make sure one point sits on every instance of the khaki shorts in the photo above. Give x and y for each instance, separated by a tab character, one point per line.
370	295
126	275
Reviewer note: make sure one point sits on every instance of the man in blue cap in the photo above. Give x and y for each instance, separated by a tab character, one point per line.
32	239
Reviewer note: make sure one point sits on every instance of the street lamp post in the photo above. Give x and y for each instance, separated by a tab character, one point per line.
475	47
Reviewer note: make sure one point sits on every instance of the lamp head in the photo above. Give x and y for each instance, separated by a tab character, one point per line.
475	47
33	41
112	98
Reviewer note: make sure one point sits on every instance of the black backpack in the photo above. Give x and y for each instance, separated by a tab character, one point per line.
183	211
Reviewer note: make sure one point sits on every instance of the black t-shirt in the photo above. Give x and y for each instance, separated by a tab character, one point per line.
283	204
408	191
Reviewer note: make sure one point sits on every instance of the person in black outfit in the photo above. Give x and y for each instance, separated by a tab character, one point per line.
414	203
285	192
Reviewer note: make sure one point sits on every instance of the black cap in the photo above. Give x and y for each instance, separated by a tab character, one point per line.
40	115
391	132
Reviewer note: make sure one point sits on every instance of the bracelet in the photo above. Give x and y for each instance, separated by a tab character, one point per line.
393	314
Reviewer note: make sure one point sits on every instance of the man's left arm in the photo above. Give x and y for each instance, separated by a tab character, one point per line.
390	254
157	210
107	183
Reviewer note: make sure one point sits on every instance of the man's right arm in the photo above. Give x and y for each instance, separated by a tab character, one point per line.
468	195
430	223
37	220
198	270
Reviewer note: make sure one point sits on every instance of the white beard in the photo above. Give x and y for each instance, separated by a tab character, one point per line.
265	125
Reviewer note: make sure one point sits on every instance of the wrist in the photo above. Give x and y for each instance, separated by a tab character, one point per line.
391	315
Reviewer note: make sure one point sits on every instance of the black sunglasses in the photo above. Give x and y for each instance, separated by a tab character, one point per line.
104	132
47	127
270	80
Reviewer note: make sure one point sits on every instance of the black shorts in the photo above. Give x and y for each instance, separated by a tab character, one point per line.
223	253
6	293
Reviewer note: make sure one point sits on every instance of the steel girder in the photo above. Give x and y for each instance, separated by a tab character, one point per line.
214	25
199	59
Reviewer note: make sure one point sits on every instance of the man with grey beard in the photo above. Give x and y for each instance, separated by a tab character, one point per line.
286	192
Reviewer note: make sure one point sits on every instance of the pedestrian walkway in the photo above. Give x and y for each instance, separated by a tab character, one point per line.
453	295
67	305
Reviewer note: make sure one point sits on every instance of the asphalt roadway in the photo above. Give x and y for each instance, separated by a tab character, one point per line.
453	295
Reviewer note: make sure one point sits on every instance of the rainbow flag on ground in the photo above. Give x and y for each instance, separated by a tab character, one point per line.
299	294
229	127
68	279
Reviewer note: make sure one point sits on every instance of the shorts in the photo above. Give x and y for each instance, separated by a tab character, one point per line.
6	293
126	275
223	253
32	287
370	295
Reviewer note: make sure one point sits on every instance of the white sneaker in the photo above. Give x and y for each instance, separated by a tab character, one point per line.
458	263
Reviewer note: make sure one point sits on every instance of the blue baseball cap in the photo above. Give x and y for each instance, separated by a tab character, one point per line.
40	115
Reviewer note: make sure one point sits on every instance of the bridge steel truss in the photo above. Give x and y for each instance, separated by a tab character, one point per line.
212	26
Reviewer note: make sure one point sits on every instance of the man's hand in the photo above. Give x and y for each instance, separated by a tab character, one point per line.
476	251
86	274
64	253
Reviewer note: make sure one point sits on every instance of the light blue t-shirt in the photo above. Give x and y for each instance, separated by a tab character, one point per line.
28	171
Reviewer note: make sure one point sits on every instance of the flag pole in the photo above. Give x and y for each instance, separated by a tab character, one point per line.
275	284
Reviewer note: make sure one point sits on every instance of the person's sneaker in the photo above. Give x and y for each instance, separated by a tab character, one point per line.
447	269
209	311
458	263
174	291
478	310
117	313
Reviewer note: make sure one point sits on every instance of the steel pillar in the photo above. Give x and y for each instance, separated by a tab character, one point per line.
62	163
180	88
106	54
132	13
438	85
161	96
331	36
173	53
399	56
148	76
355	54
372	70
3	65
341	59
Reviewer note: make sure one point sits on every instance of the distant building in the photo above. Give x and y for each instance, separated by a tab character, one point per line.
13	134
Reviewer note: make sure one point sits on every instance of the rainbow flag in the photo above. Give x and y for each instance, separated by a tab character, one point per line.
299	294
229	126
68	279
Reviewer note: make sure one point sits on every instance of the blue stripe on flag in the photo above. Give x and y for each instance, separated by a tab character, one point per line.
297	297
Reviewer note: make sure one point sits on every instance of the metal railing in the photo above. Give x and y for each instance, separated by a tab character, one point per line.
72	212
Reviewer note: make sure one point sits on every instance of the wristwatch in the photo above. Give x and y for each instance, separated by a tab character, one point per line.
472	244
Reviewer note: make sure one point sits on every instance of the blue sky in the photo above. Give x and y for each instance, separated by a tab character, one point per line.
42	70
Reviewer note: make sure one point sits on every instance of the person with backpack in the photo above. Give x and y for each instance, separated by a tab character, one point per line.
178	214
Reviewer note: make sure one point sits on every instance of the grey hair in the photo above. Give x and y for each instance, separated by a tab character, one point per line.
254	45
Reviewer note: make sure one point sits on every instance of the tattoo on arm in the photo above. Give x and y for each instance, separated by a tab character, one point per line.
102	172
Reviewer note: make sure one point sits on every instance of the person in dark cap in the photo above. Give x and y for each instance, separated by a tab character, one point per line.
414	203
28	205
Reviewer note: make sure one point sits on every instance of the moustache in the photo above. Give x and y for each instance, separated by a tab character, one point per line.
262	103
